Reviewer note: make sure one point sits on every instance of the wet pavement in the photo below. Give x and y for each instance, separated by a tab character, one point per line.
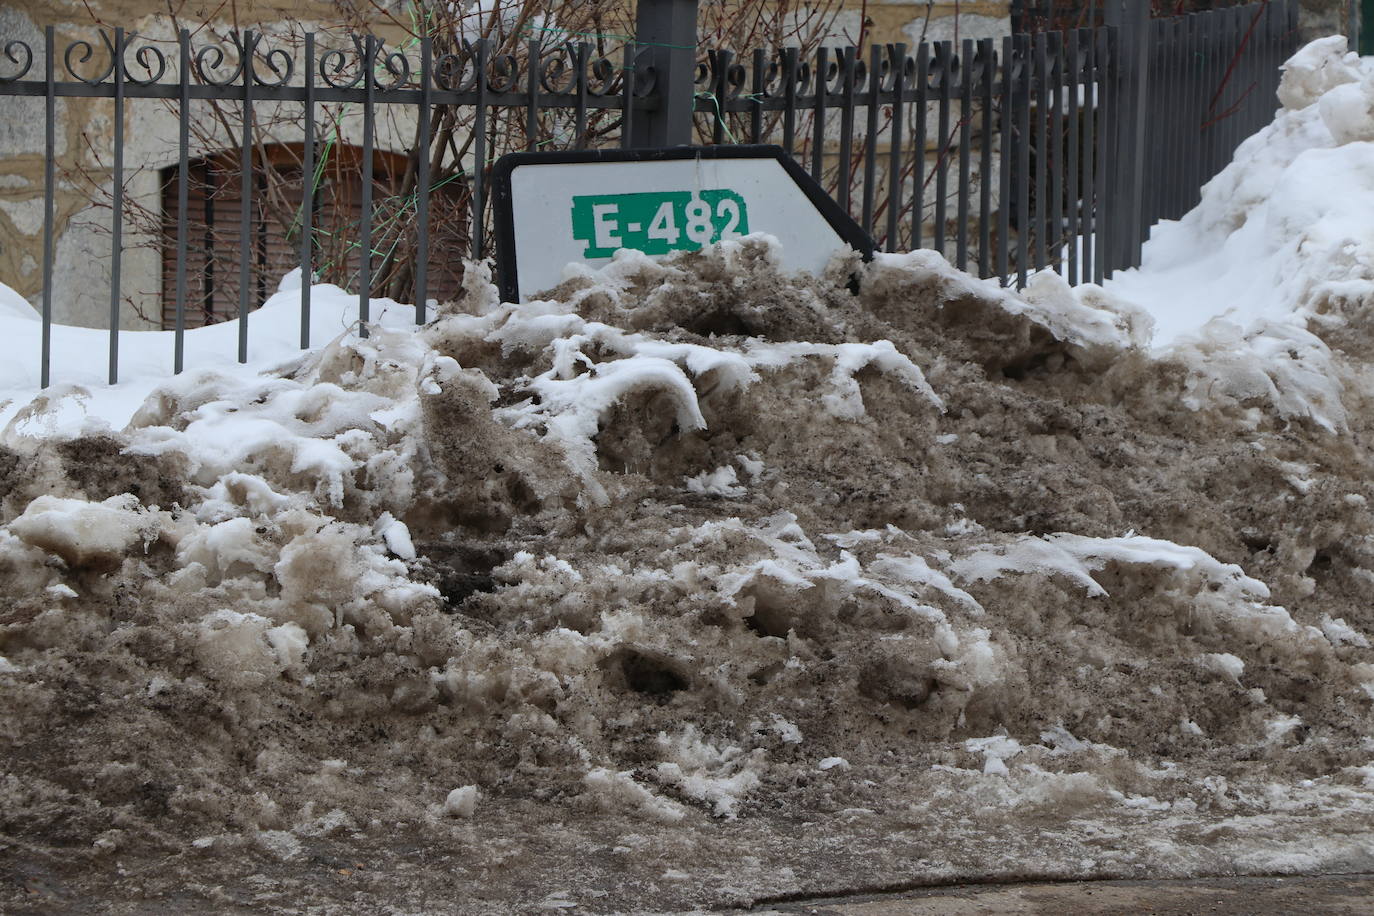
1309	896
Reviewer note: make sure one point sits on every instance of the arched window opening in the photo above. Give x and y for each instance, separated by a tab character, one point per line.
215	243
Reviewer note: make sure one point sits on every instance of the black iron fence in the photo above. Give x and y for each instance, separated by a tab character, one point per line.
366	164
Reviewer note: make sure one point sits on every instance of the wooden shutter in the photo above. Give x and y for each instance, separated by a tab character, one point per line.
214	248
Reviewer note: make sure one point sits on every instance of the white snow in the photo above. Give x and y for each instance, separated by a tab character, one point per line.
81	532
618	791
1341	633
396	535
462	801
1225	664
1277	243
1077	557
723	481
13	305
80	394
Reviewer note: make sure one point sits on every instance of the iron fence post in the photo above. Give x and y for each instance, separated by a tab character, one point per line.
667	30
1132	20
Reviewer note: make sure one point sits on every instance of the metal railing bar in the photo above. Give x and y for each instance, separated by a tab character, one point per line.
988	78
307	222
944	53
818	118
183	200
1074	71
49	193
365	235
846	170
479	158
894	162
580	133
789	120
918	184
1108	152
627	99
1089	223
422	184
117	205
1004	164
1055	185
246	200
875	82
965	142
1023	171
757	93
1041	221
531	93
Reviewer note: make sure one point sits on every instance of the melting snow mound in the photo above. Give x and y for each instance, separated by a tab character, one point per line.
684	558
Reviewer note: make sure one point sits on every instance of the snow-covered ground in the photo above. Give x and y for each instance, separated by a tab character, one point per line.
80	400
1283	234
692	584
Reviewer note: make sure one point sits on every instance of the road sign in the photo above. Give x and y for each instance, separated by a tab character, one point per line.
553	209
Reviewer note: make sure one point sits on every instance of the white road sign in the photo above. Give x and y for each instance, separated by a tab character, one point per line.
553	209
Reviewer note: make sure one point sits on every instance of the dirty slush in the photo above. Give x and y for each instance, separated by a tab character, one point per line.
693	585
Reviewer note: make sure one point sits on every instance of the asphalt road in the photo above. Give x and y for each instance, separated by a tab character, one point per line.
1307	896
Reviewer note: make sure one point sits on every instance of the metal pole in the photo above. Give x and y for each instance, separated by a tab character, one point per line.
667	30
1132	19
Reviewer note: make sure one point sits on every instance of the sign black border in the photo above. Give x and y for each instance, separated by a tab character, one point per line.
507	282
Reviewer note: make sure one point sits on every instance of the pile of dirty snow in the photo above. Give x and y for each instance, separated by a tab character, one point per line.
692	584
1256	283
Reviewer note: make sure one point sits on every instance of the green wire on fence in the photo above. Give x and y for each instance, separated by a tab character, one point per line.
334	138
409	201
322	160
715	102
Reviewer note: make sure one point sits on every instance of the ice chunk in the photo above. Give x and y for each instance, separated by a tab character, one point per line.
1340	633
462	801
1223	663
1317	68
617	791
396	535
83	533
723	481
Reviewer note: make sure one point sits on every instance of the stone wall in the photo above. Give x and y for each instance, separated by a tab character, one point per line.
1319	18
85	148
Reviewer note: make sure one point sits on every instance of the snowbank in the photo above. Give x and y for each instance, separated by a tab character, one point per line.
689	544
691	571
80	398
1254	285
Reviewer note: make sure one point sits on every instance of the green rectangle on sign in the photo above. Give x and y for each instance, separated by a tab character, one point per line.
657	222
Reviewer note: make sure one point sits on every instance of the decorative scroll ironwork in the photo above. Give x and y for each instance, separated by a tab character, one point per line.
737	84
13	51
566	74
